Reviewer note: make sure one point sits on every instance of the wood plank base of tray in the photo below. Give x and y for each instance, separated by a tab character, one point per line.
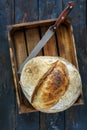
24	37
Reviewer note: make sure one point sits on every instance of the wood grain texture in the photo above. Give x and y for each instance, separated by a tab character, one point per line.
27	121
32	38
26	11
66	42
20	47
48	10
76	117
52	121
7	95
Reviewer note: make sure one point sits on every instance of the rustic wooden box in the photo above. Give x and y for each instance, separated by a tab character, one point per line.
24	37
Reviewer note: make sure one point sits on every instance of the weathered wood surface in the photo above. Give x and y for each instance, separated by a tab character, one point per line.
7	95
77	116
12	11
27	11
47	10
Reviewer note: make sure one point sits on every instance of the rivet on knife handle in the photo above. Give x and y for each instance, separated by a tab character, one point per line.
63	15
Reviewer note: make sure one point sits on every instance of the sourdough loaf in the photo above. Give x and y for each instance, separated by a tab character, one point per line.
51	84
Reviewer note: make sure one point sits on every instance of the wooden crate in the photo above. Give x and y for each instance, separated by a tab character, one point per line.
24	37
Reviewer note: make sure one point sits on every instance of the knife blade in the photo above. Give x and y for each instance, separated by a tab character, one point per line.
49	33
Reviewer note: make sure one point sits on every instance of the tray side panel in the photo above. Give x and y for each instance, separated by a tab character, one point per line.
21	54
66	44
20	47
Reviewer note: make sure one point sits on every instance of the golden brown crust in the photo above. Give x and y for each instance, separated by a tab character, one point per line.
51	86
41	75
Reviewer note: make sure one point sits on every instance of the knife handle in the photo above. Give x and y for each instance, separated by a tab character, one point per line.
63	15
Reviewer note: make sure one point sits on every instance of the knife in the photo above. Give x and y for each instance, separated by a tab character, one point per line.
49	33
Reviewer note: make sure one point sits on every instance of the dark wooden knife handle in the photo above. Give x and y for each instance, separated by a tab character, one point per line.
63	15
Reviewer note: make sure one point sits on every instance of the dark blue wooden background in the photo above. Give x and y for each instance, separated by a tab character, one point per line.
17	11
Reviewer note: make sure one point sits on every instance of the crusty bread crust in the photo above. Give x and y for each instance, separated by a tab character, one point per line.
51	84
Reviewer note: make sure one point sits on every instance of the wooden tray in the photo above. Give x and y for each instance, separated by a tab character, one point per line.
24	37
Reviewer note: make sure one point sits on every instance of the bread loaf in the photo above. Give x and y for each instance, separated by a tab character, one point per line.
51	84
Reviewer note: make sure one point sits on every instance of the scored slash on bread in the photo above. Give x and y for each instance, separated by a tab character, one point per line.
51	86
